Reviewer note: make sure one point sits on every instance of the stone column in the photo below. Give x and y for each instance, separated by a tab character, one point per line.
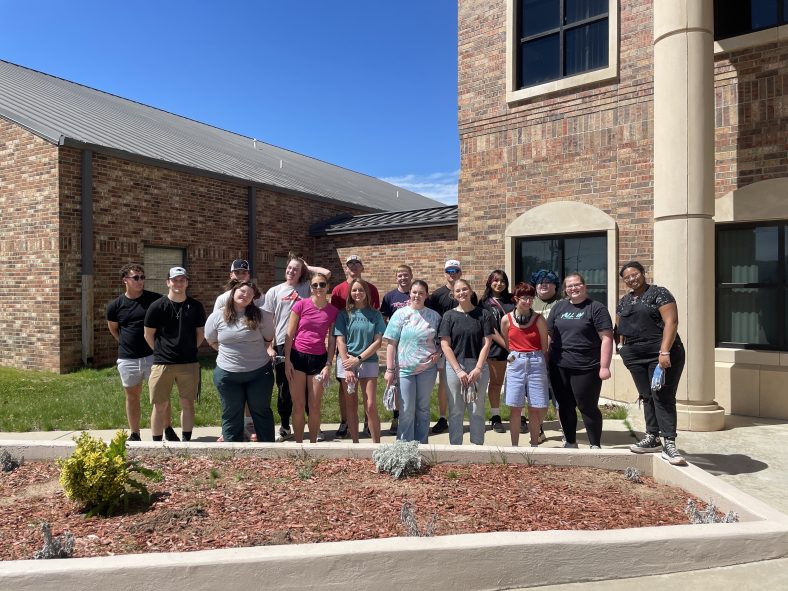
684	193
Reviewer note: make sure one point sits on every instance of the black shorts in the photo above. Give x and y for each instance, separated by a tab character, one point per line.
311	365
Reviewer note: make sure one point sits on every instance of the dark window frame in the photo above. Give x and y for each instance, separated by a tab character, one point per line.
518	266
561	30
780	285
781	17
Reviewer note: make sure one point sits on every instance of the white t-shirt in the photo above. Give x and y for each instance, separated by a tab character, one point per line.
279	301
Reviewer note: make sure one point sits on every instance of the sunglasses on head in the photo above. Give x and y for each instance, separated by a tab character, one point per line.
319	285
136	277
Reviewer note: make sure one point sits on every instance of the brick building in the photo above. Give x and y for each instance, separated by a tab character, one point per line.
91	181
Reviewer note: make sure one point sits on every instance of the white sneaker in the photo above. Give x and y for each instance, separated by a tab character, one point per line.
567	445
284	434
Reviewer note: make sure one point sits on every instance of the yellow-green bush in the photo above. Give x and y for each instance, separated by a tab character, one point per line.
97	475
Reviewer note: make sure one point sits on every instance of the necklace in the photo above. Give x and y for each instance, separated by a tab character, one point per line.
177	309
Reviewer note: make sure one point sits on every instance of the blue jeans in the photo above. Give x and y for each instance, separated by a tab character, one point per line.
457	403
415	393
253	388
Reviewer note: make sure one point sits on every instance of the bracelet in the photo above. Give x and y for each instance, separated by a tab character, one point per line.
388	369
458	370
664	352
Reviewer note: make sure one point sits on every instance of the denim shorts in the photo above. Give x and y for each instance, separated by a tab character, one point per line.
526	377
368	369
134	371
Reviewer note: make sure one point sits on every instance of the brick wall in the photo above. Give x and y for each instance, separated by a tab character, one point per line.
750	116
424	249
29	250
595	144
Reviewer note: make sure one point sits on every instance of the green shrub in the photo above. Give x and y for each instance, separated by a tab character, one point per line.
98	476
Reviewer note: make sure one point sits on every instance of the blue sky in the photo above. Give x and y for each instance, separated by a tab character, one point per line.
364	84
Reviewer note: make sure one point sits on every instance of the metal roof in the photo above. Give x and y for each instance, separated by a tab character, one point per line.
66	113
394	220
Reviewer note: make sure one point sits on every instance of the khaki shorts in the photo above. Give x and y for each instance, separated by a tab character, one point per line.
185	375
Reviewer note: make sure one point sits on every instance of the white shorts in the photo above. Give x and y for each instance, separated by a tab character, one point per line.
368	369
134	371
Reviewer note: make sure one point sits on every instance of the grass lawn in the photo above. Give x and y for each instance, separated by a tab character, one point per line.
93	399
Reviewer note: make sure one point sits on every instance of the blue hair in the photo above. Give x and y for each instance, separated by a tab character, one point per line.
545	276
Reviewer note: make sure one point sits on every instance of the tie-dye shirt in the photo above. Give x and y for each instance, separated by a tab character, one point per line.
415	332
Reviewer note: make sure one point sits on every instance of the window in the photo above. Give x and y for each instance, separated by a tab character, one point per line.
280	266
752	290
740	17
560	38
158	262
576	253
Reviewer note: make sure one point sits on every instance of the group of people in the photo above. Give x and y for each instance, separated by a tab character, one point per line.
531	342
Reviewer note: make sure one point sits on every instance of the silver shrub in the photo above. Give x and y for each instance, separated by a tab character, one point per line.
709	515
400	459
59	547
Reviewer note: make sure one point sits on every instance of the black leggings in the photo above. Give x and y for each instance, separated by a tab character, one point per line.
578	388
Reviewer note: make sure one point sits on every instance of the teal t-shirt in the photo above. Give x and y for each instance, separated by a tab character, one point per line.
359	329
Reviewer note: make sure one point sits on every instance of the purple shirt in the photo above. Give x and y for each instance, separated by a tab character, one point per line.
313	325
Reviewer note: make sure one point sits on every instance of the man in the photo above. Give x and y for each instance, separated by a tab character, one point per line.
353	270
279	301
393	301
239	272
174	330
441	300
125	318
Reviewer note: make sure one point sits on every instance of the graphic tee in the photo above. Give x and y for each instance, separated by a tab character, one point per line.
359	330
574	330
279	301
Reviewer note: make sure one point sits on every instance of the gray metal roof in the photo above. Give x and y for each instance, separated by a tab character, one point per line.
394	220
66	113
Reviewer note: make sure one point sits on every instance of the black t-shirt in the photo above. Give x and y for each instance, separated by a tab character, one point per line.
176	325
574	331
498	309
130	316
639	318
442	301
467	331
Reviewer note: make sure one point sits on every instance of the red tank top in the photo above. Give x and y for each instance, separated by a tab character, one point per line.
524	339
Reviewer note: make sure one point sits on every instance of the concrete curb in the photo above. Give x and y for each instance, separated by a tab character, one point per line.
473	561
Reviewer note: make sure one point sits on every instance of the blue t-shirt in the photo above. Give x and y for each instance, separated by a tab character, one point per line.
359	329
414	331
393	301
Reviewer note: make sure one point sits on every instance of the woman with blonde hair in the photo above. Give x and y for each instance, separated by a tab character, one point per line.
359	333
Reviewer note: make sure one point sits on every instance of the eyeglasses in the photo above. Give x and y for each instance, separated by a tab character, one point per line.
575	286
320	285
136	277
527	298
631	277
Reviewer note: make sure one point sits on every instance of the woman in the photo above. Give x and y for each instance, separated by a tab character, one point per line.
243	373
466	337
647	323
498	301
359	333
525	335
581	347
411	335
279	301
307	364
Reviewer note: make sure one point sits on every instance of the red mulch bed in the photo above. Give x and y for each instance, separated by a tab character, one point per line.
208	503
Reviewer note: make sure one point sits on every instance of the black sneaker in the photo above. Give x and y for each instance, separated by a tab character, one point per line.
671	454
439	427
542	436
171	435
523	424
394	426
496	423
649	444
341	432
134	437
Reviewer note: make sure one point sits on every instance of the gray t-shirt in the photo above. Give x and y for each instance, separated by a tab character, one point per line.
240	349
279	302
